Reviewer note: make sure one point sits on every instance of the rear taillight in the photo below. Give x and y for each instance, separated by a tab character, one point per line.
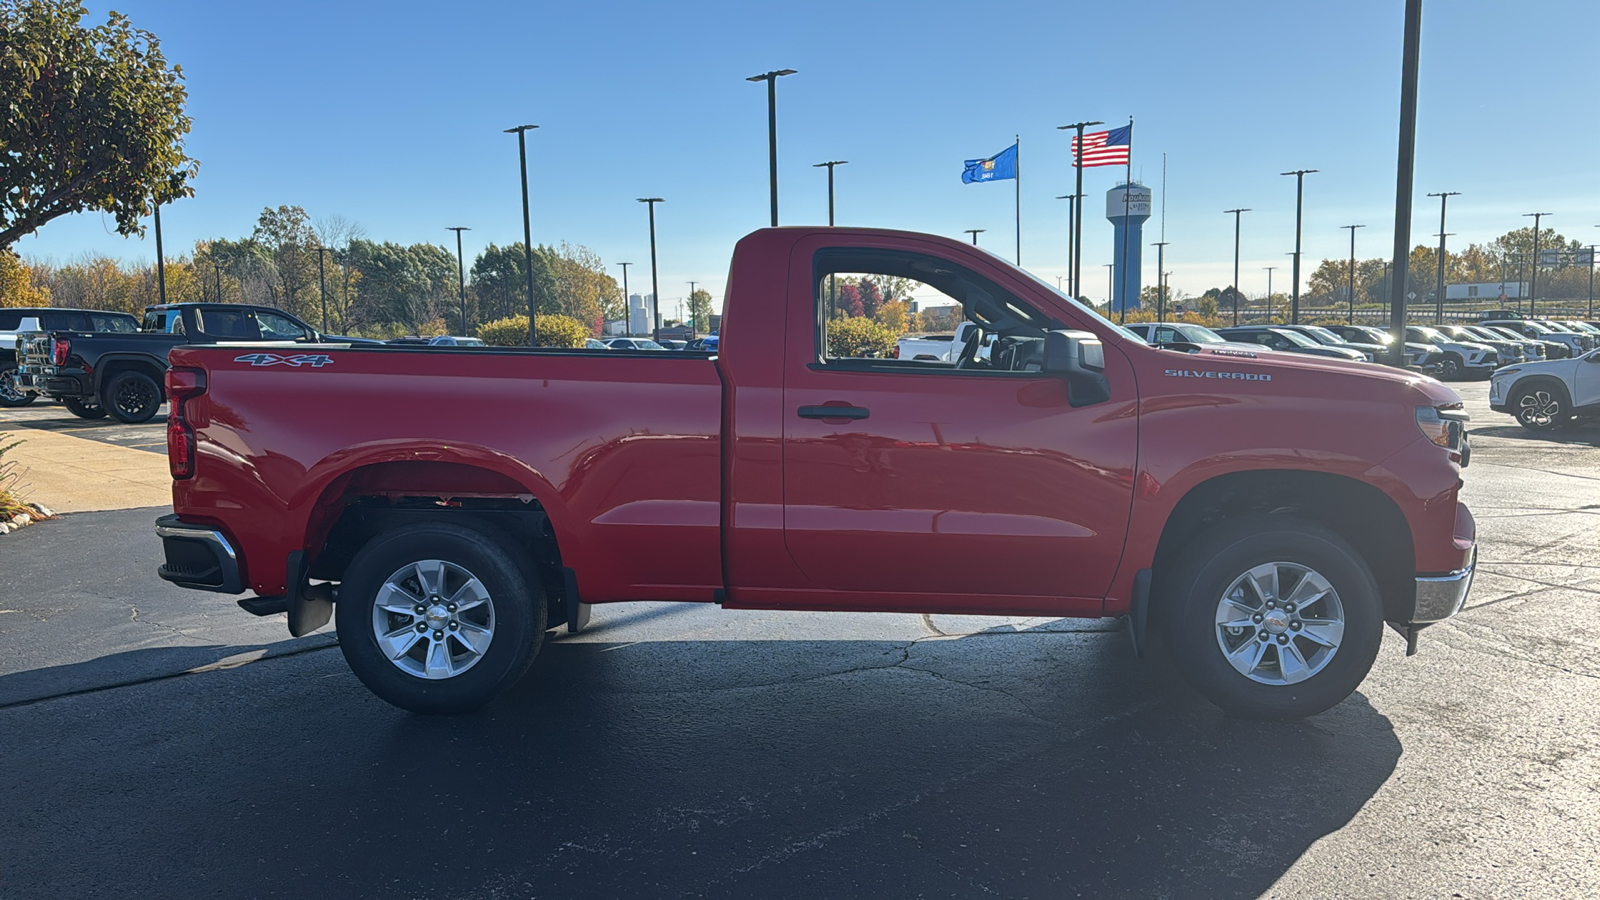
183	385
59	351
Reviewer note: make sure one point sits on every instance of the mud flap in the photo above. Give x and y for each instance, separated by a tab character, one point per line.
1139	611
310	606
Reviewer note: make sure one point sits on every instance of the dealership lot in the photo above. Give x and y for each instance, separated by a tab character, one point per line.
162	742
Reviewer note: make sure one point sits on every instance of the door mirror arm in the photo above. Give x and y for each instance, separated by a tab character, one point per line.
1080	358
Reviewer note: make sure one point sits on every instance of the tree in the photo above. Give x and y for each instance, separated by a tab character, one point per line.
500	281
16	283
583	289
849	304
93	120
893	315
285	241
700	309
871	295
554	331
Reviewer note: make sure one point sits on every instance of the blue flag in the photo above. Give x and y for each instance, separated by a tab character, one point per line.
999	166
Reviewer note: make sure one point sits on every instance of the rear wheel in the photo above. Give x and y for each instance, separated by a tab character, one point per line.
438	617
132	397
1450	367
10	396
1540	406
1272	616
84	409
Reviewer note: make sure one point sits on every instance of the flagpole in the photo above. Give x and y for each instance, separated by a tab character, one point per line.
1127	187
1019	199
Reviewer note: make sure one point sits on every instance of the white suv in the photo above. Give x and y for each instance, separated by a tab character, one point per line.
1547	395
1461	358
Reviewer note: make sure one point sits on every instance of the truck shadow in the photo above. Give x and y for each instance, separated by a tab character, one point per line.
1585	434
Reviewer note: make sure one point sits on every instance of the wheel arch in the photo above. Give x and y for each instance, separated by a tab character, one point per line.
1362	514
113	364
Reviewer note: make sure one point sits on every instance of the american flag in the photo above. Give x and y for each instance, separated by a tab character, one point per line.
1104	148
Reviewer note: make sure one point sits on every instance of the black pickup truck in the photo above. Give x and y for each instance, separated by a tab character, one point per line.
96	373
15	321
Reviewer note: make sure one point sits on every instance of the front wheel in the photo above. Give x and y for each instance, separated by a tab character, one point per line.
84	409
11	396
1450	368
438	617
1540	407
132	397
1272	616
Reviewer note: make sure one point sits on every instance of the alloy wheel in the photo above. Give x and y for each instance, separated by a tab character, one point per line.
1280	623
433	619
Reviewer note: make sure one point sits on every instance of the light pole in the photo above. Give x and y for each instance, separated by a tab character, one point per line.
829	165
655	290
1352	319
975	232
1533	283
322	285
1438	294
1236	295
691	307
1077	228
461	274
218	267
1299	207
1405	169
1072	254
161	261
771	78
1161	291
1269	291
521	131
1111	284
627	306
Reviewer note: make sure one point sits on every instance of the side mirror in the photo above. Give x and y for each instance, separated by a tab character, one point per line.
1080	358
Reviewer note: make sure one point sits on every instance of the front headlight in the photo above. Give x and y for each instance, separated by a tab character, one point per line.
1443	426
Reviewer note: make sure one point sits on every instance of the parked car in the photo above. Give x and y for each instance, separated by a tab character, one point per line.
1532	350
1550	349
594	344
1547	395
1283	339
1510	352
95	373
1329	339
935	347
624	343
1188	333
1423	357
1268	512
440	340
673	344
1575	343
17	321
1461	358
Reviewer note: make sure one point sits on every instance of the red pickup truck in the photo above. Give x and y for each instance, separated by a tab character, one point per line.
1264	515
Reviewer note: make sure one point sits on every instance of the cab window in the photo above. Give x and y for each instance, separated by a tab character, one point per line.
275	327
227	324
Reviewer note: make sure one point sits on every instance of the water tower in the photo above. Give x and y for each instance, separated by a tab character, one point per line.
1127	214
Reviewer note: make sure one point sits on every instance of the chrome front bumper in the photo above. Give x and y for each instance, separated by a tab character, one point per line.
1440	596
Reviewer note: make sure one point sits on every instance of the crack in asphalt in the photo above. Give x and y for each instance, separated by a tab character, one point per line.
175	630
1563	587
1483	645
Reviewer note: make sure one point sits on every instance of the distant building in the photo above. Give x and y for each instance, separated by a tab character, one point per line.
1486	290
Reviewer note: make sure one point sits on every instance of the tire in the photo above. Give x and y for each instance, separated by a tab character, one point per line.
83	409
10	396
1450	367
1541	406
131	397
442	668
1234	561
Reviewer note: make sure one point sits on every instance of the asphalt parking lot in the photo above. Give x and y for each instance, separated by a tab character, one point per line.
160	742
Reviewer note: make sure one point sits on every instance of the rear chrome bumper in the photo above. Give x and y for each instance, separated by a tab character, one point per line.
198	557
1440	596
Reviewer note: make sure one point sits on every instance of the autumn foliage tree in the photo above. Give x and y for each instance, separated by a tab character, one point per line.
93	119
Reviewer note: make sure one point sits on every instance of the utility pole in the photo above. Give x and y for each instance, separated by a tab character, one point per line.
1533	285
771	78
1077	227
1269	291
627	306
161	260
461	274
1438	294
655	289
691	307
527	233
1236	295
975	232
829	165
1352	318
322	285
1404	171
1161	291
1299	207
1072	204
1111	284
218	267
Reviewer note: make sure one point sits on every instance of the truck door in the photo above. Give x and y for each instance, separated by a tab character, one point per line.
944	484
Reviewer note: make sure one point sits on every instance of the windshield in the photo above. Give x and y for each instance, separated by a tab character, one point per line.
1536	328
1199	334
1295	338
1504	332
1324	335
1429	335
1375	335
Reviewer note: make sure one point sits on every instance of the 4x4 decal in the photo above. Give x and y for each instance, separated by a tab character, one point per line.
295	360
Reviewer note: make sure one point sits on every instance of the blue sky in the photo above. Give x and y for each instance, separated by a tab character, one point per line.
391	115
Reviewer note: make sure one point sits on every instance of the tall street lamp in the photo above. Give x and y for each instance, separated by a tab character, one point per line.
975	232
691	305
1236	214
322	285
1072	254
1405	171
627	306
771	78
461	274
655	290
829	164
1533	284
1269	291
218	267
1299	207
1161	267
1077	228
1438	295
1352	319
161	261
521	131
1111	282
